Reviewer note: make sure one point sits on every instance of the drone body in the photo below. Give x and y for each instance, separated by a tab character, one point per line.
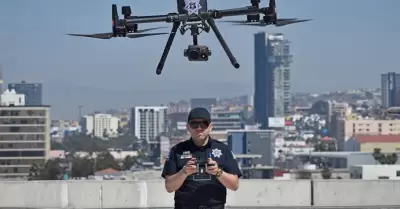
191	6
195	16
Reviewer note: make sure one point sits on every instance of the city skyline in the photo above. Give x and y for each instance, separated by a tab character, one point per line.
336	45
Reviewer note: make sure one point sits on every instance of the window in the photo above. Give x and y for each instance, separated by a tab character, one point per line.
398	173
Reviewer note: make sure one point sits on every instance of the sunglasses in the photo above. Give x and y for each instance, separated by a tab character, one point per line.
202	124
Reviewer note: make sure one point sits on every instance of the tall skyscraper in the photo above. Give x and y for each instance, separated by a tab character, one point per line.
148	121
1	81
272	61
390	87
33	92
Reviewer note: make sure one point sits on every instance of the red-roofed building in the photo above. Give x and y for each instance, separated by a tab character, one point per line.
367	143
108	174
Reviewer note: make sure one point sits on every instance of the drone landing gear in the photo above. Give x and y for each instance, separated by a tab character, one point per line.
221	40
167	47
196	52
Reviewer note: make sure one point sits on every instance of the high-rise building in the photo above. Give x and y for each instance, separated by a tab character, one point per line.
206	103
33	92
224	118
148	121
272	77
390	87
100	125
24	138
1	81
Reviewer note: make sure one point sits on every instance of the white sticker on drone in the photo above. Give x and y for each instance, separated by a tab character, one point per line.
192	6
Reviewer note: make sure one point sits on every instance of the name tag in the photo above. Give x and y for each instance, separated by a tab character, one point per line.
186	157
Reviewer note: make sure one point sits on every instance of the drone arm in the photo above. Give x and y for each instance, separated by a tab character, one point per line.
146	19
172	17
238	11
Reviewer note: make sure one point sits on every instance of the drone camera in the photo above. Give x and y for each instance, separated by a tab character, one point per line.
197	53
126	11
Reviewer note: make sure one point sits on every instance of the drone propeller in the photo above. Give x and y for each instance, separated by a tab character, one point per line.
261	23
137	34
119	30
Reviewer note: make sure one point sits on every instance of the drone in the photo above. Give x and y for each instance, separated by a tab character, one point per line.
194	15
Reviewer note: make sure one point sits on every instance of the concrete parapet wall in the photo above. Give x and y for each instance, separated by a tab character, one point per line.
356	192
252	193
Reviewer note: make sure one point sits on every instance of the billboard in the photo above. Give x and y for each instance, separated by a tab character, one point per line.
288	121
276	122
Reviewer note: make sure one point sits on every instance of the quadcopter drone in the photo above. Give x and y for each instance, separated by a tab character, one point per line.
193	15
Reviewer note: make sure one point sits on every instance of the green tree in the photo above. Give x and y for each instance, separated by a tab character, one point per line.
325	146
326	173
82	166
377	154
384	159
52	170
105	133
35	172
106	160
128	162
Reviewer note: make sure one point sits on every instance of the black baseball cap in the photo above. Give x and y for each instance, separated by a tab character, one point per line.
199	113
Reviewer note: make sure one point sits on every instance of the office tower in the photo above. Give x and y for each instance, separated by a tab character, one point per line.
33	92
203	102
225	118
24	138
272	60
390	87
1	81
148	121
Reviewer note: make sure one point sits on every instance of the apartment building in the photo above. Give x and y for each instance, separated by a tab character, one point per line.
372	127
24	139
148	121
100	125
347	129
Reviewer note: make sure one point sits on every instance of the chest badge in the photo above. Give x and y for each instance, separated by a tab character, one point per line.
186	155
216	153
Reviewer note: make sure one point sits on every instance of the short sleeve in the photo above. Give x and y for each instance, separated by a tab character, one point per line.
170	166
232	164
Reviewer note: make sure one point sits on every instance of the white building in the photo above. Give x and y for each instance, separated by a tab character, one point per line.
148	121
373	172
24	137
98	124
11	98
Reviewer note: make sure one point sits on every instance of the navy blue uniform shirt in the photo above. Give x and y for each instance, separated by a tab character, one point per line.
200	193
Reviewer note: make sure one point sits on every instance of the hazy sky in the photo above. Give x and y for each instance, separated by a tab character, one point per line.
347	45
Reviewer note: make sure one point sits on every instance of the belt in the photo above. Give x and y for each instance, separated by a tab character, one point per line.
202	207
210	207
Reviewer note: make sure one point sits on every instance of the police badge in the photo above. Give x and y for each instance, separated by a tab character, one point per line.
192	6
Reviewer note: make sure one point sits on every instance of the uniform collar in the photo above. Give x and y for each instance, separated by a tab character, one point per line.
210	140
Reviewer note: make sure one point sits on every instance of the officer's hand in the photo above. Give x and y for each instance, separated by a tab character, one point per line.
213	168
190	167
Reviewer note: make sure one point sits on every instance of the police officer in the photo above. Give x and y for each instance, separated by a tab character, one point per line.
182	167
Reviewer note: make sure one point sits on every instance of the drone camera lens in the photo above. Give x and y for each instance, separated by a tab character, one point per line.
193	54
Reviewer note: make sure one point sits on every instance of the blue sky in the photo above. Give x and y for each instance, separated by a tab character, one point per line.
347	45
